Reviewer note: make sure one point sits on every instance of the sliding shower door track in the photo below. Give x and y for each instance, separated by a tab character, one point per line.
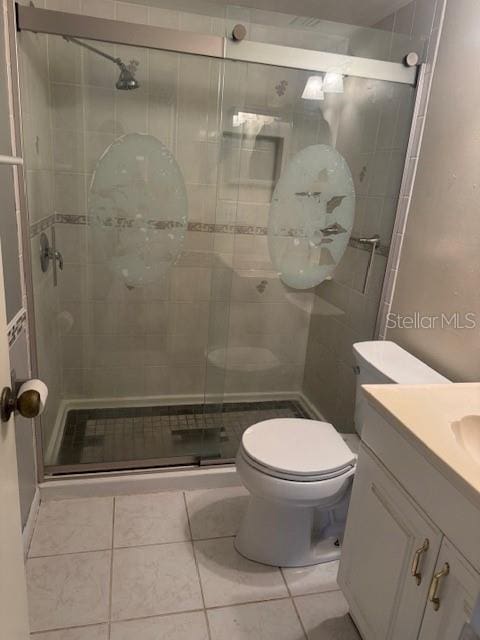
129	466
62	23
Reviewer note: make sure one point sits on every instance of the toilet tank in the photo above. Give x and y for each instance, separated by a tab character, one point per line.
384	362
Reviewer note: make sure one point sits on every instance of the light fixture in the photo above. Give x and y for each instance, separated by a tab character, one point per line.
333	82
313	89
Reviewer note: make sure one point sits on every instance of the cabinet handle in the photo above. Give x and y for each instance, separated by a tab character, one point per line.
416	561
434	587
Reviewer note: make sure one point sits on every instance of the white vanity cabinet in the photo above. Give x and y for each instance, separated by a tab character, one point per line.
401	570
457	592
387	535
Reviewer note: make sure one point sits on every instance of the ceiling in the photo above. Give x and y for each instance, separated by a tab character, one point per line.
357	12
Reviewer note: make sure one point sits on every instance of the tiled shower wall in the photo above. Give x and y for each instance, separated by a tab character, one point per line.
379	130
38	153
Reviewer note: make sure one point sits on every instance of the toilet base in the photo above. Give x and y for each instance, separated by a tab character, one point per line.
285	536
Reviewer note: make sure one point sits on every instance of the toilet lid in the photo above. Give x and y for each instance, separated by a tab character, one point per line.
297	446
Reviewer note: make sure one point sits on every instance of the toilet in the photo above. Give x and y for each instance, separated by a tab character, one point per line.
299	472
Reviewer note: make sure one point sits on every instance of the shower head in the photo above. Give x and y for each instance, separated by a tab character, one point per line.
126	80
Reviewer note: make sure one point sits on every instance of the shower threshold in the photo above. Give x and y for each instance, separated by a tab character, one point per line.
139	437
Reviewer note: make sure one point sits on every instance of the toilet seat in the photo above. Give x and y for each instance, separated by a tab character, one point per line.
296	449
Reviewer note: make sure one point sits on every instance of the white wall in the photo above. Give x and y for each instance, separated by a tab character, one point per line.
439	267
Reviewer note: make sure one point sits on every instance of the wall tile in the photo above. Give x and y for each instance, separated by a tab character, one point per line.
158	17
198	161
70	193
98	71
65	64
128	12
186	379
67	106
98	8
68	152
99	109
190	284
157	380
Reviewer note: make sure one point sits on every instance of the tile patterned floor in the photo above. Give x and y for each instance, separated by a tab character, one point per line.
163	567
145	433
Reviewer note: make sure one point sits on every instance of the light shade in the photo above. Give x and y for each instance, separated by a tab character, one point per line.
313	89
333	82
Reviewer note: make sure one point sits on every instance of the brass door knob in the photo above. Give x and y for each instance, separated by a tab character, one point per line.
26	400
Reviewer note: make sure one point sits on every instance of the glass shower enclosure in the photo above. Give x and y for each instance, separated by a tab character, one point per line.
210	219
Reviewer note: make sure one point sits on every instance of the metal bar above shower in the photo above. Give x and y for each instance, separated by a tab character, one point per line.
139	35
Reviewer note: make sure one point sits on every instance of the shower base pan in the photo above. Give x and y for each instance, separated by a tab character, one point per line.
160	436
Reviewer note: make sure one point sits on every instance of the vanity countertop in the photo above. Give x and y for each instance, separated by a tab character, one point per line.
425	414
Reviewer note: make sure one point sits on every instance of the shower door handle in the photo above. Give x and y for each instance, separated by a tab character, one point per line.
59	258
373	242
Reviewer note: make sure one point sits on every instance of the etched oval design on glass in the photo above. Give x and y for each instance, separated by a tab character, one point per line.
311	216
138	198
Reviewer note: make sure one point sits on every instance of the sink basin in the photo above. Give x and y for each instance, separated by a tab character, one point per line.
467	434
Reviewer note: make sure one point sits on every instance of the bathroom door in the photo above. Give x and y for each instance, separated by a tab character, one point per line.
13	598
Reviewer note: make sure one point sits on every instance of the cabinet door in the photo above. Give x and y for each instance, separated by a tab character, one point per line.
385	532
456	593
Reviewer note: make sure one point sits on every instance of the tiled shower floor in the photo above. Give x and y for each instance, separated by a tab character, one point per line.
163	567
164	432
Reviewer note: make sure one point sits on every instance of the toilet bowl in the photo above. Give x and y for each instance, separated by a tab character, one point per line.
299	472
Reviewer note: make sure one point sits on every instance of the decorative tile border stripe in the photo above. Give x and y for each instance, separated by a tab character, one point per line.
41	225
69	218
16	326
199	227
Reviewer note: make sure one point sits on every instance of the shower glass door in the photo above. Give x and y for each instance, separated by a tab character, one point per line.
205	267
122	183
308	186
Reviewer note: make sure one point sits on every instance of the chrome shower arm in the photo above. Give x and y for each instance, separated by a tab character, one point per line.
99	52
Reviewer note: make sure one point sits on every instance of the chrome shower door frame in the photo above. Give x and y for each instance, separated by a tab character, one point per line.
140	35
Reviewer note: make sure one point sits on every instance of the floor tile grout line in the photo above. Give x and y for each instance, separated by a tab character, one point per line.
166	615
197	610
105	622
35	522
111	574
83	626
241	604
197	567
299	618
206	609
293	603
70	553
132	546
